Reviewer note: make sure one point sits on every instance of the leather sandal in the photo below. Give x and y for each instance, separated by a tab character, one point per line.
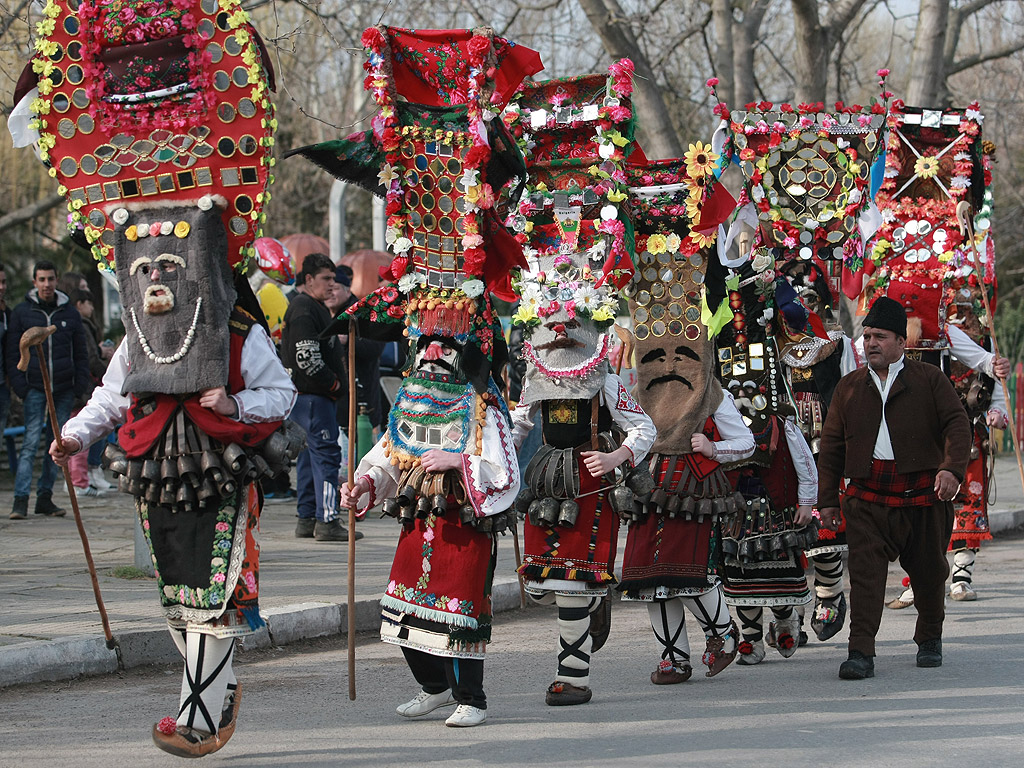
562	694
668	673
715	659
182	741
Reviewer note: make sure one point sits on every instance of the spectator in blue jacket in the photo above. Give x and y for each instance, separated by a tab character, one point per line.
67	359
5	319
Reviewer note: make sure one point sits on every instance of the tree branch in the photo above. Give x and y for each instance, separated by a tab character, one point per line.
30	211
980	58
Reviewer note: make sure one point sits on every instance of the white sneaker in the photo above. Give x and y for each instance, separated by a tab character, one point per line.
466	716
98	480
961	590
88	491
425	703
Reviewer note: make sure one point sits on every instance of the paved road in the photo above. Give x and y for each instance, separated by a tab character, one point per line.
785	713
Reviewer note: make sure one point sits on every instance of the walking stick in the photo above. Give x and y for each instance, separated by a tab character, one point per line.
963	210
515	522
351	512
34	337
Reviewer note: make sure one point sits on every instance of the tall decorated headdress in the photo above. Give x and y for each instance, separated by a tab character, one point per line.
440	157
809	172
144	105
155	119
577	134
936	160
677	291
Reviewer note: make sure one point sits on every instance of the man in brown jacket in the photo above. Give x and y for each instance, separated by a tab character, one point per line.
897	431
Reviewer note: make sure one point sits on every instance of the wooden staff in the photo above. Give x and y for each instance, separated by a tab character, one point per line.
515	521
351	511
34	337
963	215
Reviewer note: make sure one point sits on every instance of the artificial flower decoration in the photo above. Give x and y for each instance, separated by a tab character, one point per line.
926	167
700	160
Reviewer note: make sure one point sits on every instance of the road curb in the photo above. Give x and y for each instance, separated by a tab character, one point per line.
1005	519
39	661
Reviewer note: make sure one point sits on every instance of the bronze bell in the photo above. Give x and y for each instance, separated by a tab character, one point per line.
761	548
151	471
153	493
673	505
135	469
390	508
406	514
688	505
259	467
533	512
206	491
747	551
406	497
422	507
227	487
123	484
234	458
704	508
639	480
185	498
621	499
168	495
500	522
115	459
717	507
211	466
466	514
438	503
523	500
188	470
548	513
568	511
169	471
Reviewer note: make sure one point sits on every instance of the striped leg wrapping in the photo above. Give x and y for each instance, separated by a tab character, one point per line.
828	575
963	565
668	620
204	686
574	639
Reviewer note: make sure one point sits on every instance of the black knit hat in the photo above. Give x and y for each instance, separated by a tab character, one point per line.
888	315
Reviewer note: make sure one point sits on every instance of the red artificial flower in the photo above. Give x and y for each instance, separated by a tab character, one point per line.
373	39
787	108
167	726
877	109
722	111
479	45
393	206
785	642
764	106
750	106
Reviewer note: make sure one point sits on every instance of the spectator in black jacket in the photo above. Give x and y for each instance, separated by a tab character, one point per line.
67	359
5	321
317	370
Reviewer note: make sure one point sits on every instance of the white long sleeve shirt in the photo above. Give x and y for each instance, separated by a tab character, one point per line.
268	395
624	410
736	440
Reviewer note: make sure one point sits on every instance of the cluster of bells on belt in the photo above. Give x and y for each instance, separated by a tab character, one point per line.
673	505
769	547
184	482
409	506
627	496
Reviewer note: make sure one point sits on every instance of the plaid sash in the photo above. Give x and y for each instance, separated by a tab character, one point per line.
888	487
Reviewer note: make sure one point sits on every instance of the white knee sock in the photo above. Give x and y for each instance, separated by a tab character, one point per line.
751	627
712	614
204	686
574	639
668	620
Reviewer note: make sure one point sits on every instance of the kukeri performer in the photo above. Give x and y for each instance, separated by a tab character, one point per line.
671	559
594	435
193	449
762	549
146	151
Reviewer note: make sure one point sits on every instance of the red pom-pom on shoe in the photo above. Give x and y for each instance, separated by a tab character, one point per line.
167	726
906	581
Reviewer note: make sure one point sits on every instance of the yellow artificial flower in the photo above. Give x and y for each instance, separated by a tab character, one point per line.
657	244
926	167
703	240
616	196
601	314
700	159
524	315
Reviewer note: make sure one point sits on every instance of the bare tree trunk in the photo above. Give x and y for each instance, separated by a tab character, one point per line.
927	84
743	50
29	211
723	55
812	50
611	25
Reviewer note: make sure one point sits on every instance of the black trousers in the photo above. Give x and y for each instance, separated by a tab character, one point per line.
877	535
436	674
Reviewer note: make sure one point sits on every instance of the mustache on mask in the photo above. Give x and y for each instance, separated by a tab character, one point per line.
667	378
560	342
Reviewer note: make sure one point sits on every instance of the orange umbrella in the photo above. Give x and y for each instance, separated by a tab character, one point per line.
302	244
365	266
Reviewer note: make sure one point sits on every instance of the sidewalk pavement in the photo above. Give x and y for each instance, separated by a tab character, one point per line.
50	627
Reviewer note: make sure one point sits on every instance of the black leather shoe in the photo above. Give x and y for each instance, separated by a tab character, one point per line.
857	667
332	531
45	506
304	528
929	653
